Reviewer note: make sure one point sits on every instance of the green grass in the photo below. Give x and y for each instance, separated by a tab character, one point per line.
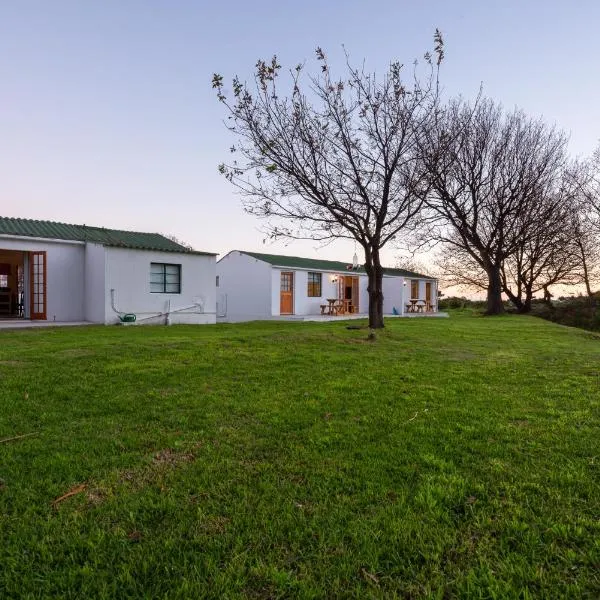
450	458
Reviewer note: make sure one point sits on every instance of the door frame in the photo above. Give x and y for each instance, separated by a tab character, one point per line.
38	279
429	294
291	291
352	281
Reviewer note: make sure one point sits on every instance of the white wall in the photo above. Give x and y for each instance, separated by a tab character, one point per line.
128	273
244	287
393	291
303	304
64	277
95	275
422	293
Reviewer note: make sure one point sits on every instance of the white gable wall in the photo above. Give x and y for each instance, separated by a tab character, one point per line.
393	290
127	271
244	292
95	280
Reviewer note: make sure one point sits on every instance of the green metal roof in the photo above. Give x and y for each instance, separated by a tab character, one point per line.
297	262
97	235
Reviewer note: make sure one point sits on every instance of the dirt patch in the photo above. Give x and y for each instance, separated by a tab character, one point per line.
454	356
171	457
214	525
76	352
162	463
95	496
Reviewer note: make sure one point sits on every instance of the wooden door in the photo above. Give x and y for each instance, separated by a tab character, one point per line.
414	290
286	294
428	303
355	294
341	287
37	282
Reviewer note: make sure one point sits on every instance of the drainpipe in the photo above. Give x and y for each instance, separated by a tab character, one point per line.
402	296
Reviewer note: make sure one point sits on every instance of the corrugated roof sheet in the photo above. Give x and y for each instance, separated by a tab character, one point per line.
297	262
98	235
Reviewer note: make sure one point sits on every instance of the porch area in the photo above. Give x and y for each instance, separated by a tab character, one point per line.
352	317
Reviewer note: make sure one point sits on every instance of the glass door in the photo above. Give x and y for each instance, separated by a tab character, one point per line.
37	272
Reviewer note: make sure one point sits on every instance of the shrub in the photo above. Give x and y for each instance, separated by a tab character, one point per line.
460	302
580	311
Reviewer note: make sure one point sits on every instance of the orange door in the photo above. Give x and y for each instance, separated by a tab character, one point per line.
37	279
341	287
286	300
355	295
428	296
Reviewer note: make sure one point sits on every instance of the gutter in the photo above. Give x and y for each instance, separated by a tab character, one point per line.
28	238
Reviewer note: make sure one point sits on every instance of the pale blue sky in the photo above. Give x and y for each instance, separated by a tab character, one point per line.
107	116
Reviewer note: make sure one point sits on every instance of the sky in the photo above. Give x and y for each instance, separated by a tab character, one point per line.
108	118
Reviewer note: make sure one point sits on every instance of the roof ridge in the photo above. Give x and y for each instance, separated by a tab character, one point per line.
107	236
325	262
82	225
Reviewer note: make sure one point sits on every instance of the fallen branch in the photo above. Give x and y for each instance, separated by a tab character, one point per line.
76	490
17	437
415	416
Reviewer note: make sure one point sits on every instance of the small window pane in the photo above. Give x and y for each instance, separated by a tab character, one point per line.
165	278
314	285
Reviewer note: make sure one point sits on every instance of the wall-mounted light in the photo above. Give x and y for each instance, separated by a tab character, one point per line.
334	279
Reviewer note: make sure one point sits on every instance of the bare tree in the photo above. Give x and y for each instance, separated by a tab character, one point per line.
584	223
591	190
335	158
545	254
487	171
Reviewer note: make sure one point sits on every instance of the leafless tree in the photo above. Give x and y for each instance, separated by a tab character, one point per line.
334	158
488	169
584	222
592	190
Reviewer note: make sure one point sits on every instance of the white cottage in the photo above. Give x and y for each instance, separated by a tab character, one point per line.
251	285
74	273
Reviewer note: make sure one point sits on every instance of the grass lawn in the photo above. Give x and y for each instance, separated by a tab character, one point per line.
450	458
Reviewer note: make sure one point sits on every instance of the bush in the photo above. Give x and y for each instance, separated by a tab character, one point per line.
460	302
580	311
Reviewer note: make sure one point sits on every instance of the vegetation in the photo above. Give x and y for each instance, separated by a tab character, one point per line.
579	311
266	460
335	158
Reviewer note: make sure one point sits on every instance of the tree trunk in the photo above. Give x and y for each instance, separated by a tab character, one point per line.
514	298
526	308
495	306
375	288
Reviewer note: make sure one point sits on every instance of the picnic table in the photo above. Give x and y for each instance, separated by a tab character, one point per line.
334	307
415	305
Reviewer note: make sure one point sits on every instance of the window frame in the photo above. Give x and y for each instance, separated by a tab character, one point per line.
414	283
164	281
310	289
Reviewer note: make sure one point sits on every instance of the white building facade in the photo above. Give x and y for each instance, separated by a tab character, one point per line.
68	273
254	286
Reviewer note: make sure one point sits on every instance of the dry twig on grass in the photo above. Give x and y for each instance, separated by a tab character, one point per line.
17	437
76	490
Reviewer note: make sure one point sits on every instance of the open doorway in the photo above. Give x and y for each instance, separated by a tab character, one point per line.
348	292
12	284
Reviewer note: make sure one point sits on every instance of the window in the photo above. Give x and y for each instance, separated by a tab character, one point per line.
3	281
165	278
314	285
217	281
414	289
